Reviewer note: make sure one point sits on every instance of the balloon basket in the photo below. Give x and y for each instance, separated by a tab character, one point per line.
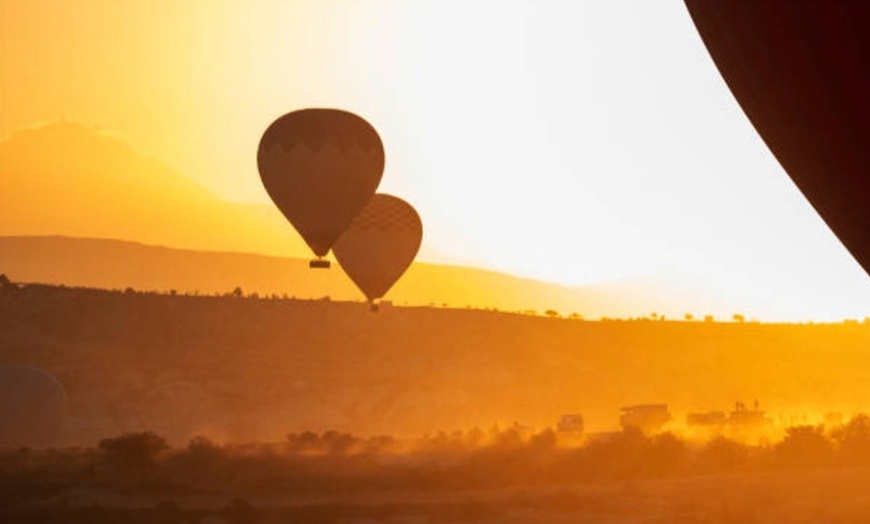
319	263
373	307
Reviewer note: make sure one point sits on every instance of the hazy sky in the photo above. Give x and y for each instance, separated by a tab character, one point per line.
570	141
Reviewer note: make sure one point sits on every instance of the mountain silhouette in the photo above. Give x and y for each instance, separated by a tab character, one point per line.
116	264
69	179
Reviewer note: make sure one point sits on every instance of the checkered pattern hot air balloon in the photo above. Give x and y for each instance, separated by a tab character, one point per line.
380	244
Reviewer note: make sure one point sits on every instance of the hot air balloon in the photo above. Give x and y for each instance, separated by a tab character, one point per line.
320	167
32	407
801	72
379	245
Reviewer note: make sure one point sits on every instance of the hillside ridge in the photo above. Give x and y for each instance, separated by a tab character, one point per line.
244	367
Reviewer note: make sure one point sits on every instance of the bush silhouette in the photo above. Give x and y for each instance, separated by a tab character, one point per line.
133	453
724	454
853	440
804	446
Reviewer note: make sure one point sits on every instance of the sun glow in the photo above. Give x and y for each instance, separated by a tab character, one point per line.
572	142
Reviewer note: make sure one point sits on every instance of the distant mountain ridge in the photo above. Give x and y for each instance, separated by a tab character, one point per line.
69	179
119	264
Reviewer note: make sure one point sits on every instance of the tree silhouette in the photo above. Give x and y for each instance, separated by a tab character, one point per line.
201	454
853	440
724	454
133	452
804	446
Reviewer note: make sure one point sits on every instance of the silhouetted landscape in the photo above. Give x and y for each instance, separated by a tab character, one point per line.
240	367
118	264
230	407
185	407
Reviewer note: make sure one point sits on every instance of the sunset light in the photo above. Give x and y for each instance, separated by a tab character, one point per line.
434	261
574	143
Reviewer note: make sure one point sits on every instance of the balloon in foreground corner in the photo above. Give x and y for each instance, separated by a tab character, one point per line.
320	167
801	72
32	407
380	244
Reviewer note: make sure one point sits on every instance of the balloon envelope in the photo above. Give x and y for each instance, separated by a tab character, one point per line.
380	244
320	167
801	72
32	407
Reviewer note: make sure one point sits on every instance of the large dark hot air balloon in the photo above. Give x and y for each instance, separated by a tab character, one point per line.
32	407
321	167
380	244
800	70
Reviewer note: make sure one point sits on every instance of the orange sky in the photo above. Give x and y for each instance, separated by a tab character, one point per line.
573	142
